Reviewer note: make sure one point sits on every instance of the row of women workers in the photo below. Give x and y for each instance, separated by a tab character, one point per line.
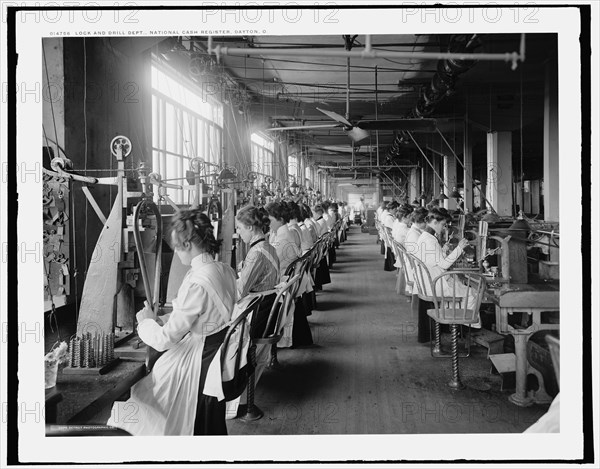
179	396
420	231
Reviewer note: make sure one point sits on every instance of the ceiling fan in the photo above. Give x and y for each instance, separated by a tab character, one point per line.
359	130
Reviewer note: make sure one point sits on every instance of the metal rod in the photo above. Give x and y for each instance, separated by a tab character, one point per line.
364	54
348	88
94	204
427	159
385	167
464	169
392	181
376	105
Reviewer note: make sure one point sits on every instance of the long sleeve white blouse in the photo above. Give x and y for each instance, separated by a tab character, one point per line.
285	245
203	305
430	252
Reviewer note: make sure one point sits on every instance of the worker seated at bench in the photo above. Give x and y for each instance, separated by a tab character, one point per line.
308	228
293	225
175	398
259	271
281	238
430	252
418	224
258	274
402	223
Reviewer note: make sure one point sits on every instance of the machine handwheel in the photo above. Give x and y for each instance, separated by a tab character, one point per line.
120	142
197	165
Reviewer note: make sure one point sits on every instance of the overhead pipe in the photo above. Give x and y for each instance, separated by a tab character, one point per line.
376	168
366	53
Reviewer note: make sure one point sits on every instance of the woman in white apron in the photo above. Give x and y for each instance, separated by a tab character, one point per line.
288	251
259	274
173	399
259	271
430	252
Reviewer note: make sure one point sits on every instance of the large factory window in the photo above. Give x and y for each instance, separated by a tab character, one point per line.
308	176
186	123
263	151
293	167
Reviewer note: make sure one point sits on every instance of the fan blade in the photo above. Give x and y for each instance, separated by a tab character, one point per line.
411	125
303	127
336	117
357	134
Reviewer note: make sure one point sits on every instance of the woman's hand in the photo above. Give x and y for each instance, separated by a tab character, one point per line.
463	243
145	313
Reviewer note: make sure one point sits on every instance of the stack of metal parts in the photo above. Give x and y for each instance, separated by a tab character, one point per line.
90	351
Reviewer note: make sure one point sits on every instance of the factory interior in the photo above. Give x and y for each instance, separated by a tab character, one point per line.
369	132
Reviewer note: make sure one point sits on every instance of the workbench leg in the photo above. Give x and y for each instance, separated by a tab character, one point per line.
521	366
540	396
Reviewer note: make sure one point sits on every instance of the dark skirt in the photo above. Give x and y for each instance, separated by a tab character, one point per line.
301	334
382	246
419	310
308	299
210	412
322	276
388	265
259	321
332	257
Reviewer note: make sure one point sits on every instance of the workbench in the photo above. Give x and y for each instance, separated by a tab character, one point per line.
535	300
87	398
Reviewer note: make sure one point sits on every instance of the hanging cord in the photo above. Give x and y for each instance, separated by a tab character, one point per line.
51	104
85	152
521	137
52	317
74	263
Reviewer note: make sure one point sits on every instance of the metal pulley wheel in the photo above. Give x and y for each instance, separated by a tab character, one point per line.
122	143
197	165
252	176
61	163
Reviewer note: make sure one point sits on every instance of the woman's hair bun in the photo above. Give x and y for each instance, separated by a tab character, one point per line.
194	226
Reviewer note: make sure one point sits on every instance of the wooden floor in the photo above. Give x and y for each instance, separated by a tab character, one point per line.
366	373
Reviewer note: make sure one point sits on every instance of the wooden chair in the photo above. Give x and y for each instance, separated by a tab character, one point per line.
388	239
298	267
404	273
554	347
453	310
272	333
240	330
321	254
422	282
315	259
379	228
331	238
